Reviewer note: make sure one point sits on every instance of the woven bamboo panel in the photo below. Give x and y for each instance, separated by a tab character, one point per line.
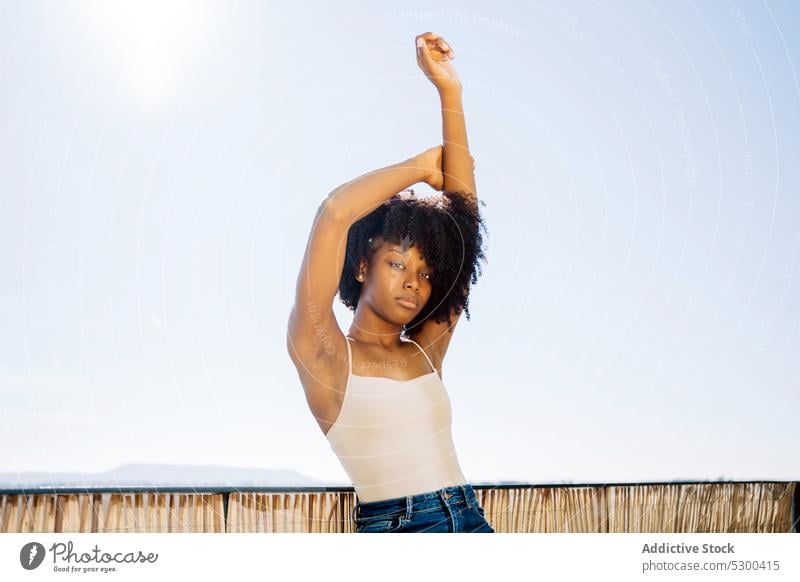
703	507
539	509
318	512
127	512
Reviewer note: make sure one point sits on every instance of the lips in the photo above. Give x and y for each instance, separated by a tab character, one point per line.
408	301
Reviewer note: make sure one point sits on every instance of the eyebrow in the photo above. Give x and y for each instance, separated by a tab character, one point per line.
404	255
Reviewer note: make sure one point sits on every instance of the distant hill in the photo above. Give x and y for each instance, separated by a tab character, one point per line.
163	475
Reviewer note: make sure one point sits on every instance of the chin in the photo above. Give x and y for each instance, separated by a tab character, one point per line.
407	317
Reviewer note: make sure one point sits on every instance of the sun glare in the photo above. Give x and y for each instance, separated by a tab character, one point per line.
151	46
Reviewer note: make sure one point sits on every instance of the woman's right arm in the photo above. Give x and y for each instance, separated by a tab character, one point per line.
312	329
360	196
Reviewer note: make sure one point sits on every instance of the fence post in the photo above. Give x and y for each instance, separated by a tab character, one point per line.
225	511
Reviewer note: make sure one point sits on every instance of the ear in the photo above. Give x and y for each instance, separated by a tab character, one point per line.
361	271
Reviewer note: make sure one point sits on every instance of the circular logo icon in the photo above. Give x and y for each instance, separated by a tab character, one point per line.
31	555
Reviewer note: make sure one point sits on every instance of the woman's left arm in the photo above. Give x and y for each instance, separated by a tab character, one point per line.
457	164
434	56
458	167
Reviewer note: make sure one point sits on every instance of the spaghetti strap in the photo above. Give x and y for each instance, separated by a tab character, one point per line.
433	368
349	359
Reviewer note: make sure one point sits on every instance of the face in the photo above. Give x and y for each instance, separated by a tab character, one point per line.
393	275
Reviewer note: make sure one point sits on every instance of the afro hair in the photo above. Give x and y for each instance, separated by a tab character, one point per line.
446	230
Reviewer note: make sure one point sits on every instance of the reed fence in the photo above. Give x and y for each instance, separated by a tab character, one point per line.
643	507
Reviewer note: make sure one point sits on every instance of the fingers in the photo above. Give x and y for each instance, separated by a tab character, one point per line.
437	43
438	54
421	61
424	58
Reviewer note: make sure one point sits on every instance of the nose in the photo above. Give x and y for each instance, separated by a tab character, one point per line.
412	284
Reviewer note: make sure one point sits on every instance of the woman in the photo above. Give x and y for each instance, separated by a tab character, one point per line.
404	266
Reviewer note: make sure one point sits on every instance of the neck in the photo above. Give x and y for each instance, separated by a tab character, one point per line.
372	330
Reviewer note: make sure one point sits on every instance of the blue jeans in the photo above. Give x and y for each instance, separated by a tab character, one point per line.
453	509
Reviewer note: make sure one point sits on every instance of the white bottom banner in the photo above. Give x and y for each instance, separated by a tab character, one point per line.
350	557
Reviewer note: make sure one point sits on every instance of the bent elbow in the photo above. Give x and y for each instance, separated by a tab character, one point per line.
333	210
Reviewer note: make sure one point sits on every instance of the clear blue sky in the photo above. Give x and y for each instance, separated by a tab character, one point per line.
161	162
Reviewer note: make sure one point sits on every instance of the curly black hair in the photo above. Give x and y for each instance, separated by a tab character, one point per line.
446	230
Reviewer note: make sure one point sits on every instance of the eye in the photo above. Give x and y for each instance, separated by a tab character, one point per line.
398	264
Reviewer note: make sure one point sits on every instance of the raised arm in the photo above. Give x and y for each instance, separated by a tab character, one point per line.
458	167
360	196
434	56
312	325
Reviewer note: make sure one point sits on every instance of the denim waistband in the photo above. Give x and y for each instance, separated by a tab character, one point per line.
449	495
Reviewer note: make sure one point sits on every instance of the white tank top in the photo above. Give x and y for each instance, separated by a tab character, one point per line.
393	437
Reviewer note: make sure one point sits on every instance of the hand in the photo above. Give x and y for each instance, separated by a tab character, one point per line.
433	57
431	163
